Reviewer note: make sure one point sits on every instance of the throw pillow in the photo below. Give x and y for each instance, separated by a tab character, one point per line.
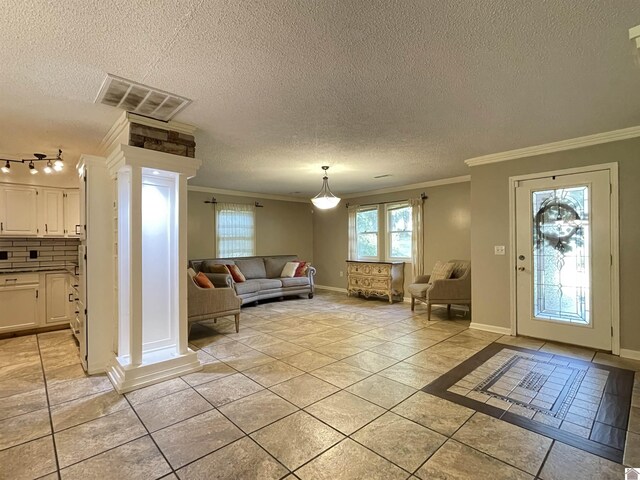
218	268
191	272
289	269
441	271
302	269
202	281
235	272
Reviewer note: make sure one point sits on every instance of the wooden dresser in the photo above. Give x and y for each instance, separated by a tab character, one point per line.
375	278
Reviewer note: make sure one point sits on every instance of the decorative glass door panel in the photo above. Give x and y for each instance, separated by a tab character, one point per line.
561	255
563	252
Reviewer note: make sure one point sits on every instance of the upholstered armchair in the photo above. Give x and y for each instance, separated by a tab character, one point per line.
454	290
211	303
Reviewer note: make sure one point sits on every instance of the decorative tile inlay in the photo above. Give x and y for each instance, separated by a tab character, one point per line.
577	402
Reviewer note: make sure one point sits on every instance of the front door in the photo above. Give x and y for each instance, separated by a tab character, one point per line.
563	250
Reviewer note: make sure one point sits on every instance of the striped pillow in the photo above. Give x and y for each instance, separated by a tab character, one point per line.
441	271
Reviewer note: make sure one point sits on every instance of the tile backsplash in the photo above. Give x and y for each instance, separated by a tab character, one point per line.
50	253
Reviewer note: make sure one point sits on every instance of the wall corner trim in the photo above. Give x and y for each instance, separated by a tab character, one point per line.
632	354
562	145
490	328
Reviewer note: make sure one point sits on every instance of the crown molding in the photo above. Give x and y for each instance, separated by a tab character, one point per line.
412	186
238	193
571	144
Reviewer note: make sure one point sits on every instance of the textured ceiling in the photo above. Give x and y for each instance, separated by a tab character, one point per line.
409	88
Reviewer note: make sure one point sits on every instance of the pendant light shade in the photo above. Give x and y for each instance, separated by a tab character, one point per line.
325	199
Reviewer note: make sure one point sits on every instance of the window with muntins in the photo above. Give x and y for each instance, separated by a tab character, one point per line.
235	230
367	233
399	231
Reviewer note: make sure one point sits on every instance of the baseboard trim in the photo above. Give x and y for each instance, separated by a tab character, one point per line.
632	354
331	289
490	328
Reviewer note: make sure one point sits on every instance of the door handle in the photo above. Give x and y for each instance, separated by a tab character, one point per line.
521	269
77	232
70	299
46	228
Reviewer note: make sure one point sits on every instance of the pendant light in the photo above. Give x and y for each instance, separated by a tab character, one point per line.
325	199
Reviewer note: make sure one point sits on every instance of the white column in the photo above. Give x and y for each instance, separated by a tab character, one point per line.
183	327
152	252
135	266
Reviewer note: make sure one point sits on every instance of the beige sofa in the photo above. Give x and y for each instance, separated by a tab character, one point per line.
262	274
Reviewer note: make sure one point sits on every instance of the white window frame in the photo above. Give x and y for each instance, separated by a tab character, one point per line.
388	232
220	239
370	208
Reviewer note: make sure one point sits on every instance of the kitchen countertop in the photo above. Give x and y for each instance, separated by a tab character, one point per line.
67	269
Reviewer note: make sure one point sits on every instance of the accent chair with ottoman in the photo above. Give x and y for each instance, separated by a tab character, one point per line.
449	283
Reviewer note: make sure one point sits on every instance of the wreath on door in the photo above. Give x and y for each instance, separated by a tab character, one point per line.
557	222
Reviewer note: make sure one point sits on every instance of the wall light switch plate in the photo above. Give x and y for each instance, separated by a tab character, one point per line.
342	274
498	250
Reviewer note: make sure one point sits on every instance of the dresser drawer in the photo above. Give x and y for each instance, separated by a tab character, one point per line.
371	269
19	279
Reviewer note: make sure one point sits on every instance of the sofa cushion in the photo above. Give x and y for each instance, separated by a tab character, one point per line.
269	283
250	286
274	265
295	282
252	267
213	266
419	290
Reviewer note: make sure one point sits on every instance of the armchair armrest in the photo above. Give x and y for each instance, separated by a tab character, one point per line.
422	279
220	279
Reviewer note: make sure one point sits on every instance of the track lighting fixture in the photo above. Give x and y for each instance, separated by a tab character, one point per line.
54	164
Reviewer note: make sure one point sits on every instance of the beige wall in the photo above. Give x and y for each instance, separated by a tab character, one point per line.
490	226
446	223
281	227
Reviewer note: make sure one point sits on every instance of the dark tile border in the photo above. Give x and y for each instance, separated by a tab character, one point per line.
612	416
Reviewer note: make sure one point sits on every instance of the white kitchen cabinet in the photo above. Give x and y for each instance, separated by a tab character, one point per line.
18	210
19	298
72	213
52	212
60	300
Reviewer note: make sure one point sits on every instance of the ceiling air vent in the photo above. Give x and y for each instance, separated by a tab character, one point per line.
141	99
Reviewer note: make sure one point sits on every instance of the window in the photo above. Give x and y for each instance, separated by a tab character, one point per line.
235	230
383	233
399	232
367	233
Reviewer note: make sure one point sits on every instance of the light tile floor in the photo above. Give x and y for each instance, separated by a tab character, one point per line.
322	388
